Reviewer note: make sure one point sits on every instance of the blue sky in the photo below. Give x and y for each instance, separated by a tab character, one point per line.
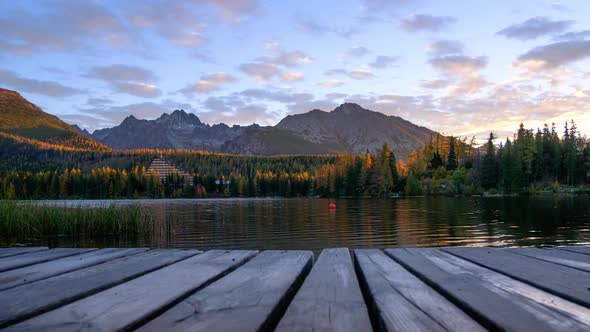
458	67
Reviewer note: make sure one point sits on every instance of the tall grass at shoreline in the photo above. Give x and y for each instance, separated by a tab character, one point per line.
27	220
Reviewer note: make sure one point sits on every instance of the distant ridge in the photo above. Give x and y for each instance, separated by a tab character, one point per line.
21	118
348	128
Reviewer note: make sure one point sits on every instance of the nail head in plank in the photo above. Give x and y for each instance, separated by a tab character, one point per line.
130	303
402	302
250	298
498	301
6	252
28	300
330	298
15	262
561	257
31	273
563	281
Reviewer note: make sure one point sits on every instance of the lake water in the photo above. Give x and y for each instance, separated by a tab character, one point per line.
365	223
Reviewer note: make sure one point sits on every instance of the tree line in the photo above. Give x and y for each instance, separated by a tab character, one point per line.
529	161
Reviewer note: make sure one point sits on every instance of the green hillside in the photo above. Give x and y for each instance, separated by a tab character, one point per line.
20	117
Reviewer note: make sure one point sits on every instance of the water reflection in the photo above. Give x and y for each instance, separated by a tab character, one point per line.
371	223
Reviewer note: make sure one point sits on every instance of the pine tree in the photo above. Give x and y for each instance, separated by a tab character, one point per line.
489	170
452	157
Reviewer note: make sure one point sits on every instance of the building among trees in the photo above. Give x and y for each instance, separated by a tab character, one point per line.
165	170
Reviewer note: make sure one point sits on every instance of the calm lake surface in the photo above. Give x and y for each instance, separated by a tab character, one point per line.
365	223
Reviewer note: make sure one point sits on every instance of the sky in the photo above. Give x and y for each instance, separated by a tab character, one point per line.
458	67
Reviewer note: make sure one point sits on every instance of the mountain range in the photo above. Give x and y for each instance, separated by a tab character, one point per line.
348	128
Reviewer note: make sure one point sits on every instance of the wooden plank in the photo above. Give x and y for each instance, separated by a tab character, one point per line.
29	274
31	299
130	303
498	302
330	298
15	262
401	302
6	252
248	299
579	250
561	257
560	280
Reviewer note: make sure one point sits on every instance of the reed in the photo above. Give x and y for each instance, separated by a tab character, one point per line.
25	220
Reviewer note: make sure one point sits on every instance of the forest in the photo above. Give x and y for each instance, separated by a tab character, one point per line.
530	162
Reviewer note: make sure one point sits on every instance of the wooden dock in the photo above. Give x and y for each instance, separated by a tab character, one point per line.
447	289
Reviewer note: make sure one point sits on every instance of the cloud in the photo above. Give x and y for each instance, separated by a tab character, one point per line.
331	83
285	58
358	51
361	74
137	89
235	11
425	22
435	84
382	61
261	72
554	55
357	74
278	96
208	83
232	109
577	35
62	24
445	47
534	28
46	88
315	28
459	64
291	76
336	71
462	74
119	72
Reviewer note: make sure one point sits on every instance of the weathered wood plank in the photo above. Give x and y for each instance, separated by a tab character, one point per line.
330	298
6	252
32	273
31	299
15	262
560	280
497	301
561	257
402	302
579	250
248	299
130	303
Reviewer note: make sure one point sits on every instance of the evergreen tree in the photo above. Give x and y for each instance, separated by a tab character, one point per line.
452	157
489	170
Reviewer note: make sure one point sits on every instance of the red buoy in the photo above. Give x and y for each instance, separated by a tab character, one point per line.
332	206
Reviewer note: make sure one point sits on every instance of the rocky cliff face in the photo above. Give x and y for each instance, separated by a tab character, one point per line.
178	130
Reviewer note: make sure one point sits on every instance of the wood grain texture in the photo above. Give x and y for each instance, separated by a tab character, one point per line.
130	303
18	261
404	303
28	300
32	273
563	281
330	298
561	257
248	299
579	250
6	252
497	301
